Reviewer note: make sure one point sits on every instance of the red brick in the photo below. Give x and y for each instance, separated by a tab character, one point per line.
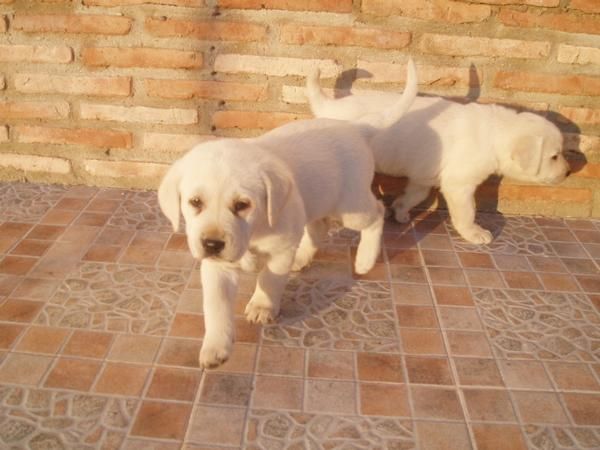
290	5
574	54
546	3
546	193
254	119
90	137
31	163
590	170
555	21
548	83
124	169
56	23
141	57
214	30
437	10
581	115
275	65
442	44
67	84
34	110
348	36
36	53
205	89
438	76
589	6
189	3
138	114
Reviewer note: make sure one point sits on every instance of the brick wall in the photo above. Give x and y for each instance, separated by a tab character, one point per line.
108	92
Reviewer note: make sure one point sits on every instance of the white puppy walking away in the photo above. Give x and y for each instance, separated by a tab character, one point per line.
453	146
270	196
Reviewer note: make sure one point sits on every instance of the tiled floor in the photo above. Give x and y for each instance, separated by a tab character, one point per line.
444	345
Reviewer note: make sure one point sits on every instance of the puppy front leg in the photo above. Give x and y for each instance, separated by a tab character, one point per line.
219	286
314	233
263	307
461	206
413	195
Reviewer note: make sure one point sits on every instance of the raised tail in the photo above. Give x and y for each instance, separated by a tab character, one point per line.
316	96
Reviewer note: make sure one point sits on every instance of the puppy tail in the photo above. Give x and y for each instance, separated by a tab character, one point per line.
316	97
389	116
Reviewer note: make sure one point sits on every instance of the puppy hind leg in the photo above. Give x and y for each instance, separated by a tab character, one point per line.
314	233
461	206
370	226
413	195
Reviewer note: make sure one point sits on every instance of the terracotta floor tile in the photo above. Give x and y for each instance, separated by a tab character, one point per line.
226	389
459	318
139	255
82	235
585	236
134	348
489	405
176	260
380	367
557	282
403	257
440	258
589	283
572	376
379	272
31	247
443	436
476	260
246	331
102	253
407	274
571	250
330	364
427	370
145	444
468	343
150	239
14	229
478	372
217	425
8	283
59	260
421	341
580	265
416	316
46	232
436	403
78	374
546	263
24	369
515	263
59	217
444	275
72	203
384	399
435	242
162	420
89	344
92	219
411	294
122	379
485	278
17	265
103	205
498	437
584	408
19	310
521	280
425	227
115	236
9	332
451	295
241	359
397	240
274	392
281	360
42	340
327	396
187	325
179	352
177	243
36	289
524	374
539	407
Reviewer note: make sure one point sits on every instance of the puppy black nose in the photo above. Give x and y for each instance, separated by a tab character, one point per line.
212	246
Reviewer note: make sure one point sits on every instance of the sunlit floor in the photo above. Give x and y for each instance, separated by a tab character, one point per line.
444	345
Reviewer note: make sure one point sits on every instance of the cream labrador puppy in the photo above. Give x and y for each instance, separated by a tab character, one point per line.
453	146
271	196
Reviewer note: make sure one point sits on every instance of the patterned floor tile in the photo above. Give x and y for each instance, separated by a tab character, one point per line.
25	202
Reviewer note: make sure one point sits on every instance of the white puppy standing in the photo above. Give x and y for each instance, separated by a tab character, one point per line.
453	146
270	196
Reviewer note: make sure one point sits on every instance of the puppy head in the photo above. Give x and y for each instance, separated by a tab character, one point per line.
226	190
536	151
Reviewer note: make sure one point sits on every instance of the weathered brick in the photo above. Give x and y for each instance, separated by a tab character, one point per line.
6	2
65	84
437	10
442	44
545	3
547	193
552	84
33	110
90	137
36	53
205	89
189	3
141	57
581	116
554	21
138	114
590	170
169	142
275	66
574	54
32	163
340	6
583	143
76	23
3	133
589	6
119	169
344	36
428	75
254	119
213	30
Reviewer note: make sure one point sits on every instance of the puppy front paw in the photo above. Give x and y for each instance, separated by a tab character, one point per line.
364	262
214	353
401	215
249	262
261	310
477	235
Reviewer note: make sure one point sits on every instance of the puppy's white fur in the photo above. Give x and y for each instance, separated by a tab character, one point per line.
271	196
453	146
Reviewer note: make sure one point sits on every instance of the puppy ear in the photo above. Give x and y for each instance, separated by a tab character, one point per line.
279	186
527	152
168	194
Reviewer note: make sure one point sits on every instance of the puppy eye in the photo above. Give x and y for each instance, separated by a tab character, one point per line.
196	202
241	205
554	158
